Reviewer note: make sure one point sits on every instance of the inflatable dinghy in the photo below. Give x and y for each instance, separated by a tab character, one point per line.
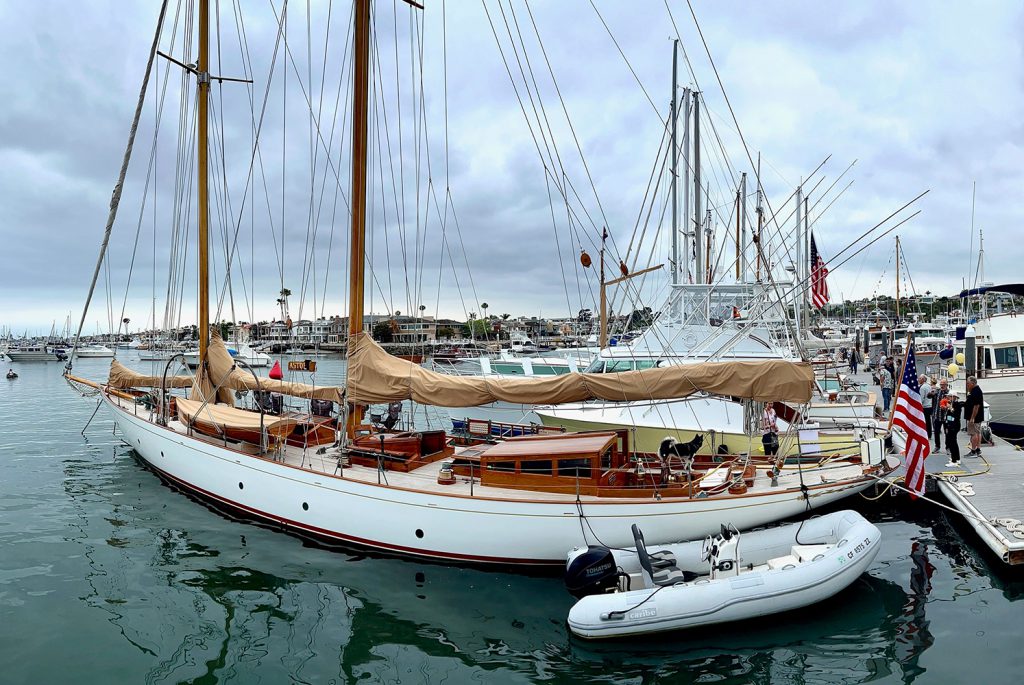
726	577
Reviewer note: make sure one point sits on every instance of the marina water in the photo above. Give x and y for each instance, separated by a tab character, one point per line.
109	576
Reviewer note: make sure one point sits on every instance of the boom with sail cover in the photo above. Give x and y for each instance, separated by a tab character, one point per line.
221	371
374	376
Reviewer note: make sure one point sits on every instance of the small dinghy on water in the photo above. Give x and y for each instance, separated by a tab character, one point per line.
726	577
11	375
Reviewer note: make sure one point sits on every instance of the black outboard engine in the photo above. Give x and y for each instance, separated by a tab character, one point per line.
592	572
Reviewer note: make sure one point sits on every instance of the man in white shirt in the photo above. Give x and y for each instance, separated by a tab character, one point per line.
926	402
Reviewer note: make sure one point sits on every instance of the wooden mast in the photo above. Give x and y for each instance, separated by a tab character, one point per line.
202	155
357	262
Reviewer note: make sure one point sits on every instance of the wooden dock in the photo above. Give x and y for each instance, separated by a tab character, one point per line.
988	490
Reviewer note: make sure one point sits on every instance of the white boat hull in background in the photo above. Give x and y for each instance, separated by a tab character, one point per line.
94	352
32	356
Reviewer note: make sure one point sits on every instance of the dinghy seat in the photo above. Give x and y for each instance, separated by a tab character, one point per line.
663	572
659	559
809	552
786	562
660	575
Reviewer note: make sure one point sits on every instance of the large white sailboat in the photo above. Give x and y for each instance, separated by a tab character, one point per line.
522	501
999	339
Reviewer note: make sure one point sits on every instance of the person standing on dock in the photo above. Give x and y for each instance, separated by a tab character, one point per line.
951	408
885	382
938	395
974	410
854	359
926	403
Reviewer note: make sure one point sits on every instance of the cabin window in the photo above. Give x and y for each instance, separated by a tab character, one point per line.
596	366
646	364
1006	357
618	365
606	460
574	468
545	370
508	369
506	466
540	467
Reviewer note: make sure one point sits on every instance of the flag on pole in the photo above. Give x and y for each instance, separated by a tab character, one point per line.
819	272
908	414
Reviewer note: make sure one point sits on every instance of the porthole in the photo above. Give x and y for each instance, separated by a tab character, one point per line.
419	533
241	486
305	506
161	453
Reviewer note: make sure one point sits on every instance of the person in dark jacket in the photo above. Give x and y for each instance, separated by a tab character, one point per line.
938	395
974	412
951	409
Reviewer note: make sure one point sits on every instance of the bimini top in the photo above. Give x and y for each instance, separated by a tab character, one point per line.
1010	288
374	376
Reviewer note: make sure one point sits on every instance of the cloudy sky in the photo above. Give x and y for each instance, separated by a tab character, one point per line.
469	192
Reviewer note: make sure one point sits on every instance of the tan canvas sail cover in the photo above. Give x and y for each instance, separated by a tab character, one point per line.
123	377
221	371
232	419
375	376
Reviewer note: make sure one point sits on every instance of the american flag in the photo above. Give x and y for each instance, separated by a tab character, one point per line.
819	272
909	415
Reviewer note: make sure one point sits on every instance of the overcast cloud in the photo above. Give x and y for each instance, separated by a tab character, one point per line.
923	97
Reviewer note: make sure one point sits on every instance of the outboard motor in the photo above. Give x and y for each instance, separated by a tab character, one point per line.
591	572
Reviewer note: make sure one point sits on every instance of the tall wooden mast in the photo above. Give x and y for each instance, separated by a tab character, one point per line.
203	73
357	262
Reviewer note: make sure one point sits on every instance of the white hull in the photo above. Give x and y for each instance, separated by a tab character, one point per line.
788	584
155	355
499	412
257	360
21	356
416	517
94	352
